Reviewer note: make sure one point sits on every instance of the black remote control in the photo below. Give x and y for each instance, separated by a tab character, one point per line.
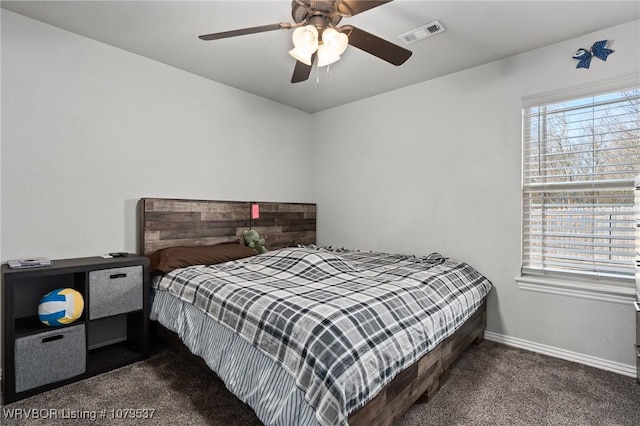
119	254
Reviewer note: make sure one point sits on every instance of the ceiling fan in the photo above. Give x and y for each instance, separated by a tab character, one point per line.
316	35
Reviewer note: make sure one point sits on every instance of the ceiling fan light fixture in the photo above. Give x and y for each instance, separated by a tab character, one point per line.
301	55
305	41
326	56
315	18
306	38
335	41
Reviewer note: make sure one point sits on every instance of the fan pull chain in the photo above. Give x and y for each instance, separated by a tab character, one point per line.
318	75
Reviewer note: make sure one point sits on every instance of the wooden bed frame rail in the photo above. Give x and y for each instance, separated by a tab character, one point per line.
421	381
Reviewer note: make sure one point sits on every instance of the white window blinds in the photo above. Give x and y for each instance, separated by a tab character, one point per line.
579	161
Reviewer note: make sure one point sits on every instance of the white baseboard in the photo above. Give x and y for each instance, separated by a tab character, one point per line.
603	364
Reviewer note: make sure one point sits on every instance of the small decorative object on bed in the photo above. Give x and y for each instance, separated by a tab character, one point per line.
60	307
253	240
598	50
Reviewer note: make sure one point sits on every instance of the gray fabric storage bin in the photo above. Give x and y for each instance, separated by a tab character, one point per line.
49	357
115	291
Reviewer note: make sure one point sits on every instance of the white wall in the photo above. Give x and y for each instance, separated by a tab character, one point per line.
436	167
88	129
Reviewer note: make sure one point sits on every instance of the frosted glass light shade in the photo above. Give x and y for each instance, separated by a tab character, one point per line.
305	40
306	37
301	55
335	41
333	45
325	56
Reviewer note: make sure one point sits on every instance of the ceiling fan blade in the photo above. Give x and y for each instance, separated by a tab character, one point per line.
244	31
354	7
376	46
302	71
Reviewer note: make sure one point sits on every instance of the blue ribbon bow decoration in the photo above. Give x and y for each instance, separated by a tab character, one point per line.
598	50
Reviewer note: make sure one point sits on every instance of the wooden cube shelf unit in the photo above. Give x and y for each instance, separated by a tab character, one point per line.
112	331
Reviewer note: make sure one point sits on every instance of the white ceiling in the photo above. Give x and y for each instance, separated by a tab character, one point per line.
477	32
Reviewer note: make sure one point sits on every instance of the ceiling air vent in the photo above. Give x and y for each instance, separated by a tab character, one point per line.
432	28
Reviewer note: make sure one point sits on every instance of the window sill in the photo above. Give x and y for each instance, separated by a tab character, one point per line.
605	291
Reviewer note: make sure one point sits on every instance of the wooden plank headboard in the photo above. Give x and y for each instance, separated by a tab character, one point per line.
168	222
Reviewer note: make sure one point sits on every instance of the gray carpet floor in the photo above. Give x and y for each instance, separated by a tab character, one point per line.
491	384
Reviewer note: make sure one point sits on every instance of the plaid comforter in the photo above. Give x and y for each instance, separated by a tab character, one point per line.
342	323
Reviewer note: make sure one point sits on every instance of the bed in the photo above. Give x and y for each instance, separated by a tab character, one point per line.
306	334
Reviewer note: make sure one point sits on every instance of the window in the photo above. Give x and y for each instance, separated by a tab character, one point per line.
579	160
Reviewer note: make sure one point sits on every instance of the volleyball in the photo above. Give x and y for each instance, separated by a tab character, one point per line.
60	307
